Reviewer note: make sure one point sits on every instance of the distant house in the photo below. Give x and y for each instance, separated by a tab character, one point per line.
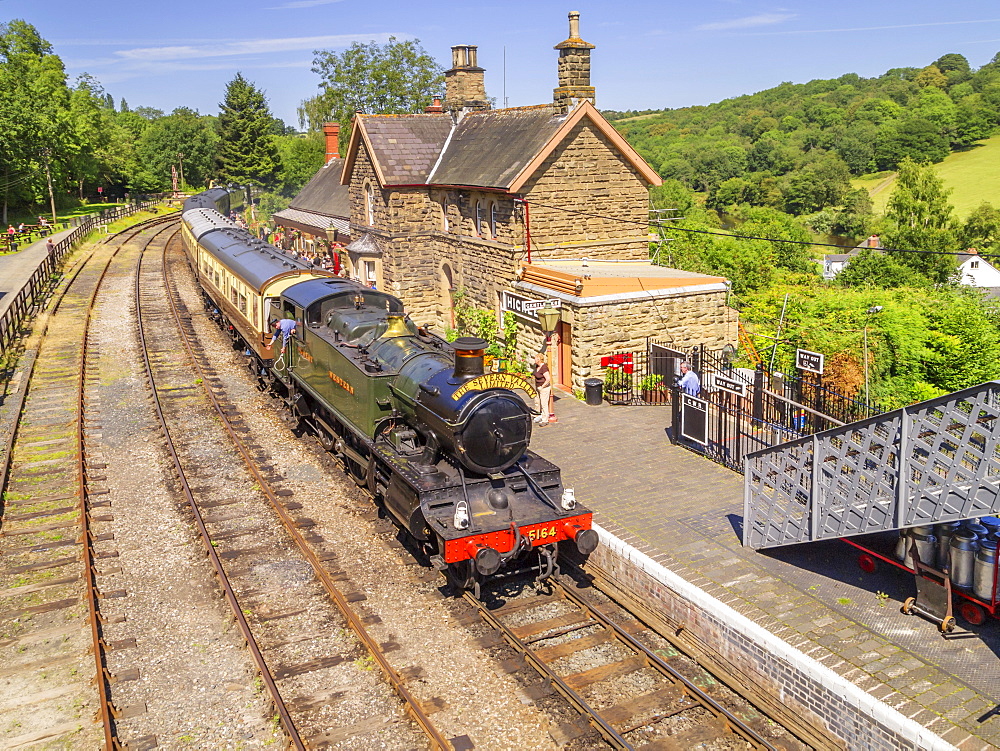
975	271
834	263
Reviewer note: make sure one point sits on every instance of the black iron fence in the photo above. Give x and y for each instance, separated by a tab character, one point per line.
44	277
736	410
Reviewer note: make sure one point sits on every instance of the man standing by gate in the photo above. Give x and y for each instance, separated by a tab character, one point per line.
689	382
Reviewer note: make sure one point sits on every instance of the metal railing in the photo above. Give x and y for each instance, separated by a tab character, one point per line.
930	462
42	281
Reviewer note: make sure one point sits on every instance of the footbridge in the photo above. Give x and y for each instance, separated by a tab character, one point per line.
935	461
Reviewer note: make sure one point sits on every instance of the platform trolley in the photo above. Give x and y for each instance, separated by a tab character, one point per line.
937	599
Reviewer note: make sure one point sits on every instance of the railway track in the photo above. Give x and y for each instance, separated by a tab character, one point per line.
51	628
627	691
260	546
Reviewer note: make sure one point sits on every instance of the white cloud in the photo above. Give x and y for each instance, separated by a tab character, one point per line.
763	19
249	47
879	28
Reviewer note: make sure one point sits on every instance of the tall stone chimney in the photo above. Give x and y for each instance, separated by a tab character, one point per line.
574	68
464	84
332	133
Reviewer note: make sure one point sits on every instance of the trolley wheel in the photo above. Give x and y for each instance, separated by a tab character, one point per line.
971	613
867	563
948	625
908	605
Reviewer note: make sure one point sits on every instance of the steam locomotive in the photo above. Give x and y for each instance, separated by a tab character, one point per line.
439	442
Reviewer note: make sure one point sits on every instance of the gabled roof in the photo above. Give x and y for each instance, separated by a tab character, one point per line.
498	149
324	194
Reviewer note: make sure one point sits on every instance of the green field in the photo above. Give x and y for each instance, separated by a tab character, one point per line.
972	175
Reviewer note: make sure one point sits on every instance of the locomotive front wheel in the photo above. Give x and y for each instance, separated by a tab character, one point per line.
867	563
908	605
971	613
462	575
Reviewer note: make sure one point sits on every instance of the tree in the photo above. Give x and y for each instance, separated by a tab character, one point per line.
871	269
982	229
185	132
246	151
301	157
391	78
921	218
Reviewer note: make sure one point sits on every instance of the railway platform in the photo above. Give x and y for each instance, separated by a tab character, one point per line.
16	268
684	512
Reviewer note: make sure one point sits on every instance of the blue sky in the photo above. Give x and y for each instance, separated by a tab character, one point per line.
648	54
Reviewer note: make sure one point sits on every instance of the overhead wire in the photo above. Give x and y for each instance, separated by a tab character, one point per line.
757	237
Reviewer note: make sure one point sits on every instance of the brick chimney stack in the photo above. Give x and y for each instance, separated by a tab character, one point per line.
574	69
332	133
465	85
436	106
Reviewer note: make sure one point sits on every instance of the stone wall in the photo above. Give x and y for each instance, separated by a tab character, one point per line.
686	319
601	195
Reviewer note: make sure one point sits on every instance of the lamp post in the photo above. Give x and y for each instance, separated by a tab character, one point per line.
549	320
871	311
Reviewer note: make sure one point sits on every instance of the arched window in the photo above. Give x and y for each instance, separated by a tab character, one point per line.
493	220
480	228
370	204
444	214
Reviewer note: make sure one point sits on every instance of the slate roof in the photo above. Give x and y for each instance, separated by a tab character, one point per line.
407	146
487	148
324	194
496	149
318	221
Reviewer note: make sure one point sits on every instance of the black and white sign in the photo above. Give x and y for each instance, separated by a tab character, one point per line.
694	419
728	384
525	308
811	361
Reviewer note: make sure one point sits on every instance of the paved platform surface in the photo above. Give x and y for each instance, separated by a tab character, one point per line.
16	268
685	512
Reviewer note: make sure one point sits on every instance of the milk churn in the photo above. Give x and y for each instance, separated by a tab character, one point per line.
976	528
986	560
991	523
963	553
943	532
926	545
903	546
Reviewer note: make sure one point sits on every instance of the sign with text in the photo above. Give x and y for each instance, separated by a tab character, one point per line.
811	361
525	308
694	419
730	386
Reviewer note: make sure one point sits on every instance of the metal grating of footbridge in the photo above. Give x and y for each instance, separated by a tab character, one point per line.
934	461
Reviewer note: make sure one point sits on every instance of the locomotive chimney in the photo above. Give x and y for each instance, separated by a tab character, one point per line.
332	133
469	352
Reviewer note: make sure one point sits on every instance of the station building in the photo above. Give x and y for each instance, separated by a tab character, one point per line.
519	206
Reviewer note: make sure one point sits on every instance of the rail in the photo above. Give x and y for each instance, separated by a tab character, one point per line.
594	617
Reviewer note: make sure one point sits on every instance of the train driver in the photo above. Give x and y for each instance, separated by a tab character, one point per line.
284	326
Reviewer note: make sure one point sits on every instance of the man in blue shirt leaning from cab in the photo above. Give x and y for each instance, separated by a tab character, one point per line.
285	327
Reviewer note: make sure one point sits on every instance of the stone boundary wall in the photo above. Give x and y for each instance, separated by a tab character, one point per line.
811	689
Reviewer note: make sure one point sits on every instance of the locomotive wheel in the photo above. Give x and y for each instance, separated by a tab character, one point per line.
908	605
326	440
971	613
462	575
867	563
358	473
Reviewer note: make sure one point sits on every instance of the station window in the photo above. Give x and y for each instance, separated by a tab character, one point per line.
444	214
480	227
493	220
370	204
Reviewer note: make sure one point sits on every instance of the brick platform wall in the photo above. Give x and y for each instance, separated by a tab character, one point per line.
808	688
